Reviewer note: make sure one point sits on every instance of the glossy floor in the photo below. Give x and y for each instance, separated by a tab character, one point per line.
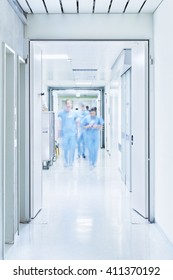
87	215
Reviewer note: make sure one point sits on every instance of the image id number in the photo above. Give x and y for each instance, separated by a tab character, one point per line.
133	270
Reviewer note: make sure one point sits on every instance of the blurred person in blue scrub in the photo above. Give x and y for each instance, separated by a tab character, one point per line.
69	122
81	132
92	125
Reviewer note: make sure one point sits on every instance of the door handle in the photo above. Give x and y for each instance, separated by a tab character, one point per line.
131	139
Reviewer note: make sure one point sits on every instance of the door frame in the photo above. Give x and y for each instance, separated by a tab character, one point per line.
150	135
6	49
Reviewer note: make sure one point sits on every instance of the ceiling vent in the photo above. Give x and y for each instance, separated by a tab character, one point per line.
84	70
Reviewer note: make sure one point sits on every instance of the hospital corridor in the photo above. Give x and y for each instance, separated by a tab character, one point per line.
86	157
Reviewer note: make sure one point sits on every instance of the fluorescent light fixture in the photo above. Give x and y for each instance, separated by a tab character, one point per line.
70	91
55	56
83	83
77	94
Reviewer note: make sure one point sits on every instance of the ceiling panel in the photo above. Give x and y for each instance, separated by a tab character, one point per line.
102	6
55	49
37	6
24	6
69	6
84	56
53	6
134	6
118	6
85	6
150	6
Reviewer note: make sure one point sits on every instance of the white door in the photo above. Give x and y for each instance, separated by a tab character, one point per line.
22	141
123	128
36	129
126	128
139	129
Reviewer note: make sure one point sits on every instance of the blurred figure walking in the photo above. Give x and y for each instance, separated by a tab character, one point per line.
67	126
92	125
81	133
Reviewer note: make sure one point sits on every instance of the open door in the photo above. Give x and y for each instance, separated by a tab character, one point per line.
134	124
126	128
23	146
35	129
139	129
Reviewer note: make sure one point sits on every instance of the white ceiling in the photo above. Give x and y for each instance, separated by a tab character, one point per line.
89	66
89	6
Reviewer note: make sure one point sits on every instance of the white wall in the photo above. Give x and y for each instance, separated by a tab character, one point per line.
163	48
84	26
12	33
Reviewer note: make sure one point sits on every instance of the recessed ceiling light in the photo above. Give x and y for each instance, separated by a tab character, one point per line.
77	94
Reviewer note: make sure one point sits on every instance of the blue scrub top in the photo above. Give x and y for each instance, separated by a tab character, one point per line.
92	132
68	119
82	115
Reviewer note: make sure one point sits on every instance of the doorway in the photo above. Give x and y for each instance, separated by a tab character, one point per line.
139	66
